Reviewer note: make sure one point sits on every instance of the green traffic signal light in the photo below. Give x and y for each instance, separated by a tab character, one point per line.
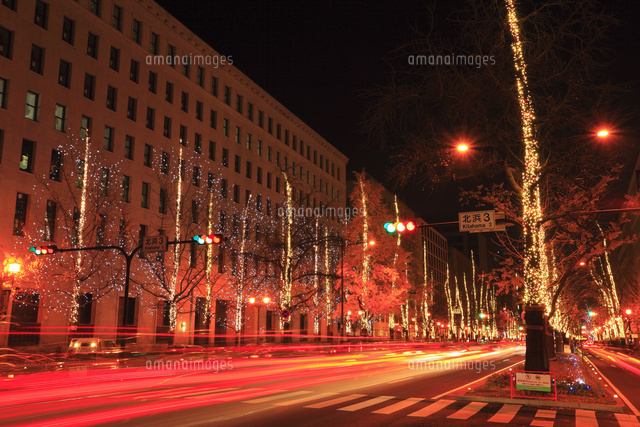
214	239
400	227
44	250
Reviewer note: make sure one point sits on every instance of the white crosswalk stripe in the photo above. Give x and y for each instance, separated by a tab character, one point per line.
335	401
586	418
366	403
433	408
468	411
626	420
277	396
505	414
398	406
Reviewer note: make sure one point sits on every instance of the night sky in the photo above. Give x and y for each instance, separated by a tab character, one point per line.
318	58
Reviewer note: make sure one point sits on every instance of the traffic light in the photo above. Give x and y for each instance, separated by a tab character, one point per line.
44	250
210	239
482	315
400	227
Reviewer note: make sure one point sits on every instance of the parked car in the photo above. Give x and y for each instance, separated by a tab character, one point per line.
92	347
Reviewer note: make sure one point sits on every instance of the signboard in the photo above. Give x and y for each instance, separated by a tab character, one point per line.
456	311
477	221
533	381
155	244
285	314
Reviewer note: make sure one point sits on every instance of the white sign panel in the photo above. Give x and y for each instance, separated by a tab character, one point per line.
533	381
477	221
155	244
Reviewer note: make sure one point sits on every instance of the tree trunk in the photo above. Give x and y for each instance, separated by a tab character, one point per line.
537	353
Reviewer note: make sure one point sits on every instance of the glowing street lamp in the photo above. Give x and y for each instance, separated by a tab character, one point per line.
603	133
628	311
462	147
265	301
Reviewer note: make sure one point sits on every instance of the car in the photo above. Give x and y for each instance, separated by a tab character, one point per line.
92	347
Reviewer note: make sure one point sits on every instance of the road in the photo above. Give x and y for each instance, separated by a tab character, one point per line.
359	387
622	372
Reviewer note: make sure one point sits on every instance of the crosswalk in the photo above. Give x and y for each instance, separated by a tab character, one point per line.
420	408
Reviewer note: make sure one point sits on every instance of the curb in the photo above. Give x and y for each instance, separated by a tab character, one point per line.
547	403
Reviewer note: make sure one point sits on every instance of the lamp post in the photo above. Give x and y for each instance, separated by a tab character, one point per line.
265	301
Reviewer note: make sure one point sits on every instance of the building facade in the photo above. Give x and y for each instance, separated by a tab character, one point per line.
118	123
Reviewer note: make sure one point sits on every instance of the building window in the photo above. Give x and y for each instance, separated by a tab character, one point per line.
236	193
128	147
68	30
183	135
227	95
151	118
40	18
148	151
270	126
223	188
37	59
153	82
33	106
277	184
259	202
279	131
94	7
135	31
166	131
162	205
197	143
153	45
89	86
260	148
5	42
20	214
210	181
186	69
214	86
239	104
56	165
3	93
269	180
171	56
80	173
225	127
200	77
225	158
213	119
126	182
249	142
238	134
286	137
114	59
132	108
259	175
199	110
212	150
92	46
165	163
112	94
144	202
168	93
64	74
261	118
134	71
85	127
11	4
104	181
196	176
184	102
247	200
50	221
116	21
250	111
108	138
249	170
60	122
237	166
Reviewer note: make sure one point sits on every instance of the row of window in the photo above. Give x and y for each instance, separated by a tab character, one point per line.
68	35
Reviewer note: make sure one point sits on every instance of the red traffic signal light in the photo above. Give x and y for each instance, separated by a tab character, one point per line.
44	250
400	227
210	239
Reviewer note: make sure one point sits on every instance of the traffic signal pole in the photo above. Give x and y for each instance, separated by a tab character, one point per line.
128	256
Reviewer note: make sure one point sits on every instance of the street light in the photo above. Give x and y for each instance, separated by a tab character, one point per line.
603	133
265	301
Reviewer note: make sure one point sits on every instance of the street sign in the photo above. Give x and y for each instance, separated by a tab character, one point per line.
477	221
456	311
155	244
285	314
533	381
